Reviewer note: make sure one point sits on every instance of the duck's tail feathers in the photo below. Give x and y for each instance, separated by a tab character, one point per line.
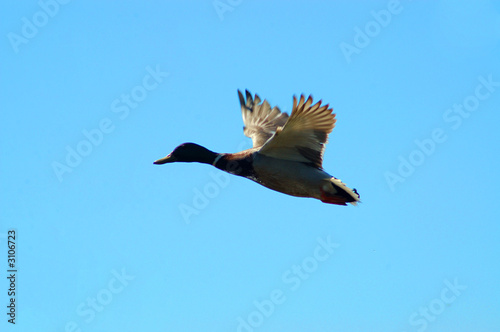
340	195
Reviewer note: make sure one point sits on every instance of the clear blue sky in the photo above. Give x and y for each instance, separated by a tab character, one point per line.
93	92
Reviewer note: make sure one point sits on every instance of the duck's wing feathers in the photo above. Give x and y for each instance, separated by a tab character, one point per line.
304	135
260	120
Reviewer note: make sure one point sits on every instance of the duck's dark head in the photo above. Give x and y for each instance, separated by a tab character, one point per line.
189	152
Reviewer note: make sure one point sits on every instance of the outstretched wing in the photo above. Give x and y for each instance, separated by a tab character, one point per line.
259	119
304	135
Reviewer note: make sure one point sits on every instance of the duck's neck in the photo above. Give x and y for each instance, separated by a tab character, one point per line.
234	163
208	157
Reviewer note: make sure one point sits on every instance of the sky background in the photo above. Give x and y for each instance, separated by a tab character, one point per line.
102	241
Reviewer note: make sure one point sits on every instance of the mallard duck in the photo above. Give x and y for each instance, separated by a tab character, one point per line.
287	152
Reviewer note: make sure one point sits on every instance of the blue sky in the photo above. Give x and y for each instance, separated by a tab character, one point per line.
94	92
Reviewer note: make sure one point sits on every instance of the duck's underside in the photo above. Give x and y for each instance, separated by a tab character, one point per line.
301	180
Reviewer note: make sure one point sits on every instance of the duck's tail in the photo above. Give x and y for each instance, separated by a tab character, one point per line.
339	193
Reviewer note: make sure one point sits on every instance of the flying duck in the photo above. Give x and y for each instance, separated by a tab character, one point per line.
287	152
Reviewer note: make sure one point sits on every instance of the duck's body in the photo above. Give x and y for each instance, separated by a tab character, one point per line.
299	179
287	153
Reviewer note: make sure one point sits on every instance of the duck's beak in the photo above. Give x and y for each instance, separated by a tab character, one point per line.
167	159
